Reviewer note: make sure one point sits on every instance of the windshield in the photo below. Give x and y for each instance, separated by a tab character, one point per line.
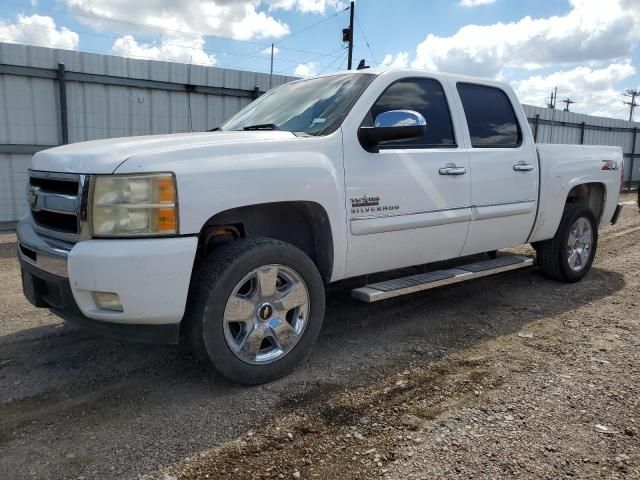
313	107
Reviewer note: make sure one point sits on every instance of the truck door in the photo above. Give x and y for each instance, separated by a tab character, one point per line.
504	169
408	203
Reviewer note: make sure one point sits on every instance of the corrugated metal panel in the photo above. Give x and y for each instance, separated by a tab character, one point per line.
13	179
30	109
565	131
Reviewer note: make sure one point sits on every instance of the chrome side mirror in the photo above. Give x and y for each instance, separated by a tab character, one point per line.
399	118
392	125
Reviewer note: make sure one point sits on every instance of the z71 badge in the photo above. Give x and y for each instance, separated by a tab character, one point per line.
370	204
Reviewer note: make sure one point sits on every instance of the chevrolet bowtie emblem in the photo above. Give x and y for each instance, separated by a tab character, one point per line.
265	312
32	197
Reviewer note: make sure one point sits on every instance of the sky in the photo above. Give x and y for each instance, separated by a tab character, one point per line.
589	49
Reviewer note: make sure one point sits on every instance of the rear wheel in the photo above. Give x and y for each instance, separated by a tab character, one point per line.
257	310
569	254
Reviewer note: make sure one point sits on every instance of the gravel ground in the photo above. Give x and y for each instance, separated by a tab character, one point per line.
512	376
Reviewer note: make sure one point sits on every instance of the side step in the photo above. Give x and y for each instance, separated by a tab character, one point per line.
426	281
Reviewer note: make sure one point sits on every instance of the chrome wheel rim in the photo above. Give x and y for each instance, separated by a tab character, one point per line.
579	244
266	314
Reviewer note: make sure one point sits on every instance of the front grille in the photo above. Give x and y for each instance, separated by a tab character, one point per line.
27	252
58	203
56	221
65	187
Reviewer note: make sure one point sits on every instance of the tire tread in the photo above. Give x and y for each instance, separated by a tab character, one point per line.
550	253
207	276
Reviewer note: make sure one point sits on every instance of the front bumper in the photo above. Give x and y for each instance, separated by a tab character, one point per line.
150	276
45	290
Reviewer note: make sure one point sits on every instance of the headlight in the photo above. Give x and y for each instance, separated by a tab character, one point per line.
134	205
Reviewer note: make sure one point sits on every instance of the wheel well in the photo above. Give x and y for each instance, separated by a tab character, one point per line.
590	195
303	224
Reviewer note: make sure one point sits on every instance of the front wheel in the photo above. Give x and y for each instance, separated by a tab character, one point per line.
257	309
569	254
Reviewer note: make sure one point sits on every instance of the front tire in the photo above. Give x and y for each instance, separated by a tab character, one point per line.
568	256
256	309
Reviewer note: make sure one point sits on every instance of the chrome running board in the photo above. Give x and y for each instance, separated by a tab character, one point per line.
438	278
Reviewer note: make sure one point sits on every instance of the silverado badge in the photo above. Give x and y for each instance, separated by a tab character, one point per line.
370	204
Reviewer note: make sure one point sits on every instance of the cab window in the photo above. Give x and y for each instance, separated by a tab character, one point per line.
490	117
423	95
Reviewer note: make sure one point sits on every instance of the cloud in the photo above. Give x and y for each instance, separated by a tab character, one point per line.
593	30
475	3
237	19
174	48
38	30
307	6
267	51
594	90
401	60
306	69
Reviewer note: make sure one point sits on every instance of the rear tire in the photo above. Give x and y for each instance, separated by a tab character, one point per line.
568	256
256	309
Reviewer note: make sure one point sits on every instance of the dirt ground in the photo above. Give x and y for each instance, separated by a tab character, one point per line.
512	376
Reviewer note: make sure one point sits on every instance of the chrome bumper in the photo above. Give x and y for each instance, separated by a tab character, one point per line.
46	254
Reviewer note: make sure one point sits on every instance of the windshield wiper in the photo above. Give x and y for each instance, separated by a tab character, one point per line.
262	126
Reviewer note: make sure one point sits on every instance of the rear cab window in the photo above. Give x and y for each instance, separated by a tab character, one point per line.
490	117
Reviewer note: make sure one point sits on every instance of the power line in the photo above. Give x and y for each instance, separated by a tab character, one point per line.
280	72
99	52
308	27
161	29
332	64
125	22
366	41
241	56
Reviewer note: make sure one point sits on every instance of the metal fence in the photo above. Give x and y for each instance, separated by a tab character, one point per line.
555	126
50	97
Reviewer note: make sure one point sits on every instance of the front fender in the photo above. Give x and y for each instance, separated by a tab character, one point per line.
214	179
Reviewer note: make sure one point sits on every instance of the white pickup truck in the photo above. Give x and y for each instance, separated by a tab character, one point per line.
226	239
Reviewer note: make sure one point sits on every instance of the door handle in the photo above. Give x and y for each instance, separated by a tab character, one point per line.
523	167
452	170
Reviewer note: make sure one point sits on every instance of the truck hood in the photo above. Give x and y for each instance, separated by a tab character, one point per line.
104	156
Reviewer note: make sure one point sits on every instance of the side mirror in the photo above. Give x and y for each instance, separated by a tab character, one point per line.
392	125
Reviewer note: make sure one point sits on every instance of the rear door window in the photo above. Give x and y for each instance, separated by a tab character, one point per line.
490	117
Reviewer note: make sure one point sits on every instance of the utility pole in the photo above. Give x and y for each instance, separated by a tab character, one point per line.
567	102
347	35
271	69
632	94
554	97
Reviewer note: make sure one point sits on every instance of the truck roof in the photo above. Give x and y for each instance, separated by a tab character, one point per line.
418	72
